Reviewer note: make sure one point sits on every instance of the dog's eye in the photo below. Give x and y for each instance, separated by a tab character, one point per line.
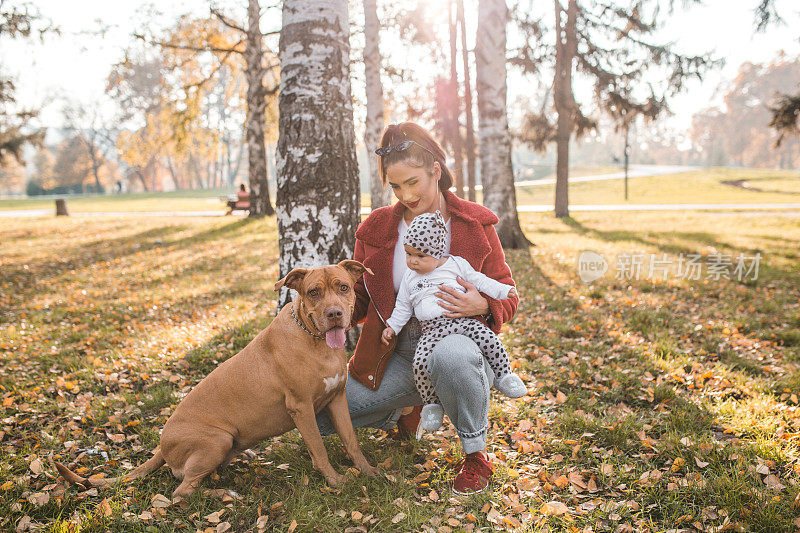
344	288
313	292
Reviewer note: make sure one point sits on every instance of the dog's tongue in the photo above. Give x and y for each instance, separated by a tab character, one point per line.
335	338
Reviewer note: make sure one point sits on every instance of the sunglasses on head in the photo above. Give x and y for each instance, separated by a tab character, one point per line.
400	147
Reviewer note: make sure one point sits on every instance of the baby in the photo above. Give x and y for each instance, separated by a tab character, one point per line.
428	268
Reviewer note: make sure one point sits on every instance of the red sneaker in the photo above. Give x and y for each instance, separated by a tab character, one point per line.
475	475
407	425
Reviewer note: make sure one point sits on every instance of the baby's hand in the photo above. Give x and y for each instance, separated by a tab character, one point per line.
512	293
387	335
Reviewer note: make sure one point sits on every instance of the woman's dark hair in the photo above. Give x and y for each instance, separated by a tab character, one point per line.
423	153
242	187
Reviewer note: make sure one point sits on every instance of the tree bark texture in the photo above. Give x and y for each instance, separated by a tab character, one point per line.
455	102
494	137
260	203
380	194
317	172
566	48
469	147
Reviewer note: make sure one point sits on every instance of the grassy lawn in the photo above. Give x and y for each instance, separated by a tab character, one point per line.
199	200
701	186
653	404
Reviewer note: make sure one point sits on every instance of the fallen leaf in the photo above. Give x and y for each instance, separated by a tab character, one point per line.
292	526
554	508
561	481
494	516
701	464
398	517
159	501
577	479
223	527
356	515
24	524
104	507
36	466
261	523
421	477
39	498
773	482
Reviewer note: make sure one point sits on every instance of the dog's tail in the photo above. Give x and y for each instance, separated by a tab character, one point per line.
141	471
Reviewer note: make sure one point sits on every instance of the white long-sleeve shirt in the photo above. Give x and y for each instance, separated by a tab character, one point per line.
417	294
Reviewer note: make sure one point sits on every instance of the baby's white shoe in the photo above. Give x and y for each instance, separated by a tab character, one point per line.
431	417
511	386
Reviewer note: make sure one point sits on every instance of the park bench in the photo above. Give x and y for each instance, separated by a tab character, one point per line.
234	204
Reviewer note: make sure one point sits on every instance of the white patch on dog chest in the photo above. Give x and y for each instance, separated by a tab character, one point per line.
332	383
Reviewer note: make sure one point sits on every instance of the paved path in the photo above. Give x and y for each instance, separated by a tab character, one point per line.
541	208
663	207
634	171
28	213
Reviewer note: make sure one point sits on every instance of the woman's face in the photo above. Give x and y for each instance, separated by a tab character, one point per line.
416	188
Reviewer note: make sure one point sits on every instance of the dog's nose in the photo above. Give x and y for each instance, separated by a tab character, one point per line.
334	313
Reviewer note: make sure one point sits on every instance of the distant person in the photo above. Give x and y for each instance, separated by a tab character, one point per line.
242	200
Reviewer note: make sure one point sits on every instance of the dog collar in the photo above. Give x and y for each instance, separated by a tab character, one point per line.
301	325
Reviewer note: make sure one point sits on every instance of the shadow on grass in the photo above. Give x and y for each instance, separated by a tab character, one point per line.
661	241
26	276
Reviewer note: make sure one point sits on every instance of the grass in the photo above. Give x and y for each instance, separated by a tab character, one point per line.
653	404
700	186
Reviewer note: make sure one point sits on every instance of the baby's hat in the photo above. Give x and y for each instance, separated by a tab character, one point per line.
427	233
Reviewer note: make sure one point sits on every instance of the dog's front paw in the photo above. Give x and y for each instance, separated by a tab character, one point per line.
334	479
368	469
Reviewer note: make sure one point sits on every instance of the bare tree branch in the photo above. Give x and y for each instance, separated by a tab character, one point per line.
226	21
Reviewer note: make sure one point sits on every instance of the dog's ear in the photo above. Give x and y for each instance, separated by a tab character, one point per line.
293	279
355	268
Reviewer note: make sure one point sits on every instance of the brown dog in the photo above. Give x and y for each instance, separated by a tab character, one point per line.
289	372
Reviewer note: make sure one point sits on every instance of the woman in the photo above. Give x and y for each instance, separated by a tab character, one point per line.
382	382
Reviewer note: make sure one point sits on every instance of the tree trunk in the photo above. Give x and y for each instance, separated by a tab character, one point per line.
142	178
470	137
260	203
173	173
96	162
455	102
566	48
379	193
318	189
497	176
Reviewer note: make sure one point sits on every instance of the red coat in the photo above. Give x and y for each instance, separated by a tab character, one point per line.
473	238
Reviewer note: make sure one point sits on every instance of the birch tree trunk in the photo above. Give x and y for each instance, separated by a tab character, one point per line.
379	194
566	48
469	147
260	203
497	176
318	189
455	103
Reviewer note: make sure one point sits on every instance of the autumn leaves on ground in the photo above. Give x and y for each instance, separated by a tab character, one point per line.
653	404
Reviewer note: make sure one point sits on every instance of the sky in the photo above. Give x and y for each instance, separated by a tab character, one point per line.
75	65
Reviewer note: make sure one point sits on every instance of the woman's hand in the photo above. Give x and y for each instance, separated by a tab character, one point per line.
387	335
459	304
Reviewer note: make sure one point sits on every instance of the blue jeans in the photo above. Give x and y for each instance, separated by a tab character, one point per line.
460	375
